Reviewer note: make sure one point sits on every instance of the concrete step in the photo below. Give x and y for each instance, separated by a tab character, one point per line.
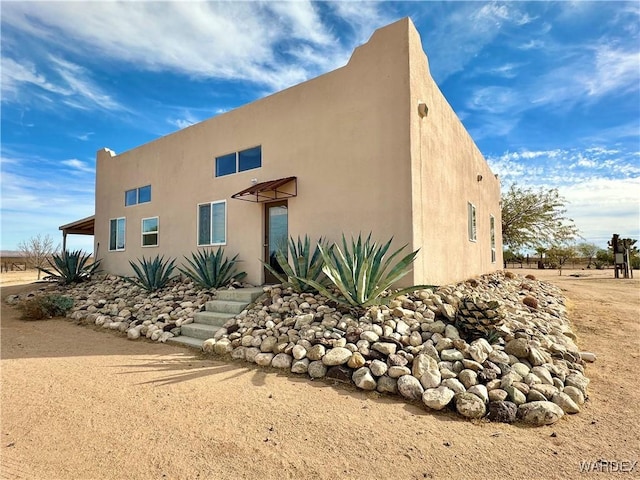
187	341
246	295
198	330
225	306
215	319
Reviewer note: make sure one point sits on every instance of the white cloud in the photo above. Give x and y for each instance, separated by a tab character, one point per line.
228	40
78	165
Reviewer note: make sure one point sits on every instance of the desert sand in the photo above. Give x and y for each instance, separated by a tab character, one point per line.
81	403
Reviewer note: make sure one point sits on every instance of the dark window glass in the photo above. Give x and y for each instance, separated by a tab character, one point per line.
248	159
144	194
130	197
204	224
226	165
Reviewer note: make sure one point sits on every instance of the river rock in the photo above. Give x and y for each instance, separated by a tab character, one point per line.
264	359
504	412
575	395
437	398
363	379
337	356
282	361
387	384
317	369
470	406
410	388
540	413
565	402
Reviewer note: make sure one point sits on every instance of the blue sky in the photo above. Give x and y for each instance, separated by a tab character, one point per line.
550	91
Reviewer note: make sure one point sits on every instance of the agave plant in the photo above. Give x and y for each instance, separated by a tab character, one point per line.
71	267
212	270
152	275
306	266
361	273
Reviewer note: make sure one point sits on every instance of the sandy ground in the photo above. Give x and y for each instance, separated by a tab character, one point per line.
79	403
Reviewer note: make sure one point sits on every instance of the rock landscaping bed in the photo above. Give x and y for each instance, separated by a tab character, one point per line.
498	347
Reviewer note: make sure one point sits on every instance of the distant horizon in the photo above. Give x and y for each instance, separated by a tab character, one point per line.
549	91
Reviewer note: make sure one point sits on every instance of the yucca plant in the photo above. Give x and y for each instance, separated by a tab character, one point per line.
211	269
152	275
361	273
71	267
306	266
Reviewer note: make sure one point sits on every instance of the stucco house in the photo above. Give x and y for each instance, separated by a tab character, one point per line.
370	147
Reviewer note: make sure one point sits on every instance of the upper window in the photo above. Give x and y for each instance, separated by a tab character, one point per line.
150	232
212	223
239	161
117	234
471	208
137	195
492	233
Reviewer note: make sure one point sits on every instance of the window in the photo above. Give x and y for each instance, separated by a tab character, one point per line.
250	159
492	233
472	221
137	195
226	165
116	234
239	161
150	232
212	223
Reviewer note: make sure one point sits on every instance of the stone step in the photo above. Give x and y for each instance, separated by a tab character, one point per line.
187	341
246	295
225	306
215	319
198	330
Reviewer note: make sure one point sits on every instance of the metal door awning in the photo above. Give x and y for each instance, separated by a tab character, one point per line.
269	191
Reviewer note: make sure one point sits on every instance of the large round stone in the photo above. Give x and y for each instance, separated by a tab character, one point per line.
470	406
337	356
504	412
409	387
540	413
363	379
437	398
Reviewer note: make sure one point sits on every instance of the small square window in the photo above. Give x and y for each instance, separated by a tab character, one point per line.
226	165
250	159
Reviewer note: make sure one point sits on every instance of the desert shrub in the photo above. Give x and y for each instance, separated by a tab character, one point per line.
525	286
211	269
71	267
45	306
530	277
530	302
304	266
361	274
509	275
152	275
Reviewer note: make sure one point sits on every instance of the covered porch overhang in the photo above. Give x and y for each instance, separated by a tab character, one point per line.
84	226
269	191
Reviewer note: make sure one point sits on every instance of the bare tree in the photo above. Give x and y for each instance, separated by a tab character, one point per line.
37	251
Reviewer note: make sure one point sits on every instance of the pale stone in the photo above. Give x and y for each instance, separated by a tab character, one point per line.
387	384
470	406
579	381
268	344
543	374
423	363
540	413
239	353
398	371
207	345
588	357
451	355
480	391
264	359
337	356
316	352
363	379
384	347
515	395
300	366
437	398
317	369
299	352
454	384
497	395
468	378
222	346
518	347
409	387
431	379
575	394
133	333
282	361
378	368
565	402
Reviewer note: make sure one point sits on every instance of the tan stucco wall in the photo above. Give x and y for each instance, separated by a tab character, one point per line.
445	168
354	140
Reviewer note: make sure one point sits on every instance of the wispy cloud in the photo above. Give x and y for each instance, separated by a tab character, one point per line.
78	166
64	81
199	39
